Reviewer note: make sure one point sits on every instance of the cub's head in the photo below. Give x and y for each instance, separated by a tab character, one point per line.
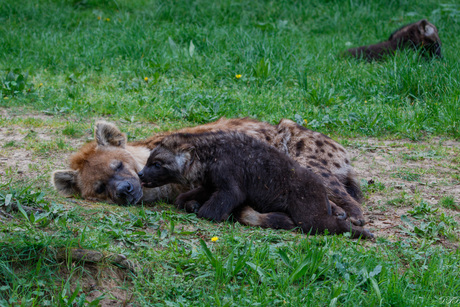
102	170
166	164
423	35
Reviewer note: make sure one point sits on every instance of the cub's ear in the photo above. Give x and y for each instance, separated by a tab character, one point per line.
187	148
425	28
107	134
65	182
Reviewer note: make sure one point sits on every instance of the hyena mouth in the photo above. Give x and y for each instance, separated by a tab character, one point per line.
148	185
138	199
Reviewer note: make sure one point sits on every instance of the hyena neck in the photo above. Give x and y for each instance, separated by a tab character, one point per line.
140	155
193	172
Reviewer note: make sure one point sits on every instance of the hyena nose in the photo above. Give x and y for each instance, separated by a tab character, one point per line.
141	174
125	188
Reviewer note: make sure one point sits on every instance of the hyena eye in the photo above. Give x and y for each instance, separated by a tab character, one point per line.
116	165
157	165
100	189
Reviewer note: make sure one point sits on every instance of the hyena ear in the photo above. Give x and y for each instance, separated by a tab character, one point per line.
108	134
425	28
187	154
65	182
187	148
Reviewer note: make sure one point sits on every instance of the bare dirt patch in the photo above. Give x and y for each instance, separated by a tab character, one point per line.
96	280
404	174
24	149
398	175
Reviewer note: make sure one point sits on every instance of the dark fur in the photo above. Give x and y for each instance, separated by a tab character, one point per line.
107	168
420	35
232	170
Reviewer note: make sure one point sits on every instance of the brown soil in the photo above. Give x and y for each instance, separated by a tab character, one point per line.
414	171
97	280
423	170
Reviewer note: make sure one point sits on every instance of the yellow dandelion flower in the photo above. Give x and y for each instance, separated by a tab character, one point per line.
99	17
107	19
305	121
237	76
214	239
146	79
40	85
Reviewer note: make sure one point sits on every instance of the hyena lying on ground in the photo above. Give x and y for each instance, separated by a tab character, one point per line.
420	35
231	169
106	169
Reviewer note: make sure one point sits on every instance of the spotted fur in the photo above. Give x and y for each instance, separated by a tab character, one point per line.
106	169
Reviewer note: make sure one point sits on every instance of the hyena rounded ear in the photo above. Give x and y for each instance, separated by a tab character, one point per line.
107	134
187	148
65	182
424	26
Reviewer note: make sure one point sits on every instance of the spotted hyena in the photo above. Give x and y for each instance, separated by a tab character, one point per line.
231	169
106	169
420	35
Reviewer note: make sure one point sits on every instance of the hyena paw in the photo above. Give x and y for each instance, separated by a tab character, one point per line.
205	213
179	203
339	212
358	221
341	215
192	206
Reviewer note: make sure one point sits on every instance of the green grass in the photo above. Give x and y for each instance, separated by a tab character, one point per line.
287	53
244	266
76	61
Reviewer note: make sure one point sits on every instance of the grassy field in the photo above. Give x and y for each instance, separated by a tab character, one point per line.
157	65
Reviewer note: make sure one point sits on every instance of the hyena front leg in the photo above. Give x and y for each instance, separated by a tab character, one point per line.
191	201
221	204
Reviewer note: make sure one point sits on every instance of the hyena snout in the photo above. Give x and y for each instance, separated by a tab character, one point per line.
124	188
127	192
436	50
141	174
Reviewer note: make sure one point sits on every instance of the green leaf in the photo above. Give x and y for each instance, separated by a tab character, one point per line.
262	274
285	258
208	253
300	270
8	199
23	212
10	76
191	49
375	285
172	44
376	271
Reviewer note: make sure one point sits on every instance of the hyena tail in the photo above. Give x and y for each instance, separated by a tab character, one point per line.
353	187
276	220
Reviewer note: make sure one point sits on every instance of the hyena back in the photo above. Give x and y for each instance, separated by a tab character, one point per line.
232	169
106	169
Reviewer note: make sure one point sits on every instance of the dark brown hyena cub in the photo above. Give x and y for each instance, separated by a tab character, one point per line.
420	35
232	169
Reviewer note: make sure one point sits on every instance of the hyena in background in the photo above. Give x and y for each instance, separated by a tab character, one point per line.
231	169
106	169
420	35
